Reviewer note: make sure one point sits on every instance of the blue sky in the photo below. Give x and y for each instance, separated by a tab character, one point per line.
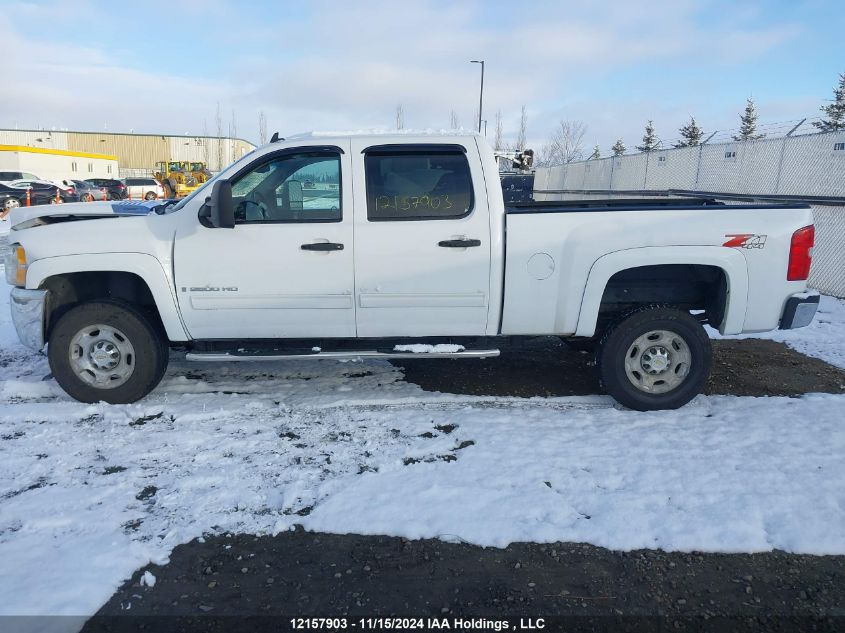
163	66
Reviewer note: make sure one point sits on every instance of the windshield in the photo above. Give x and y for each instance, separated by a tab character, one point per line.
209	183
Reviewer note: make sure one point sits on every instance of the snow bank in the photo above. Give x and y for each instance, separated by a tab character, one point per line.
419	348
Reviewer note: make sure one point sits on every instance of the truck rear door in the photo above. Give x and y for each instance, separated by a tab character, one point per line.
422	239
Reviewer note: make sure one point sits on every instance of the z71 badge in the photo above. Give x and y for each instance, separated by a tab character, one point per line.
745	240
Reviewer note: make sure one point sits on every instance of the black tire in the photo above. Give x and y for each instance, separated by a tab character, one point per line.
148	365
619	339
150	196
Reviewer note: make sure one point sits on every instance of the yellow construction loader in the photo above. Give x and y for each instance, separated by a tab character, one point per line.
177	178
200	172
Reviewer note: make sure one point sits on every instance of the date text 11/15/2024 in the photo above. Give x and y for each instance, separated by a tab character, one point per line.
419	624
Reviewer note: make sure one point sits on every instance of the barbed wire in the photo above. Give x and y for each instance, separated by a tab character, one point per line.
771	130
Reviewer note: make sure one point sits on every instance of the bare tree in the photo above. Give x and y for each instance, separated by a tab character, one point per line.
564	145
262	127
233	133
523	130
498	139
219	138
453	120
400	117
205	142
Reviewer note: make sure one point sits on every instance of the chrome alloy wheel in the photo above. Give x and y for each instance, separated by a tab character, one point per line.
658	361
11	203
102	356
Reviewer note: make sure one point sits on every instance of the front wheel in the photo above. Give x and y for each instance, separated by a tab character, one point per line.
655	358
106	351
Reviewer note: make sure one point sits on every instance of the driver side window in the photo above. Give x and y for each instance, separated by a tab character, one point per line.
302	187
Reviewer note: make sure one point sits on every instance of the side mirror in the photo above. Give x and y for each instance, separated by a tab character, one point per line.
219	209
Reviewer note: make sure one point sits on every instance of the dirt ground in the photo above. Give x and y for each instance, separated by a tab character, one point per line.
544	366
308	574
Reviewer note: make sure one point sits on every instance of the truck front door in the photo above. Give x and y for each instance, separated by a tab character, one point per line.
286	269
422	240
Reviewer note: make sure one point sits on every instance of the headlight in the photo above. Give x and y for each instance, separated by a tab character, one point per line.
15	264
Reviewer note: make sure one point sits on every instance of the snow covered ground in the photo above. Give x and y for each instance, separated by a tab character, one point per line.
89	493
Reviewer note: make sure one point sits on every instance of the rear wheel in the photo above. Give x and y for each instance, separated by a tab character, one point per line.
106	351
150	196
655	358
11	203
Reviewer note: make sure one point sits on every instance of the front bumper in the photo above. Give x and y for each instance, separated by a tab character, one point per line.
28	310
799	310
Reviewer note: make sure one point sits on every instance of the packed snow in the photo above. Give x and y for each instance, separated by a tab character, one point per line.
90	493
422	348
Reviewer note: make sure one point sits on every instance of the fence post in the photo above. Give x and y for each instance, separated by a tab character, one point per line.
701	157
783	152
612	165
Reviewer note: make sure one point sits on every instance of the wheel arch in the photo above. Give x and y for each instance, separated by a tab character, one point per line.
730	264
132	277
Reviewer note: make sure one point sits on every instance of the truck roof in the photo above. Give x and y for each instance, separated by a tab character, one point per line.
403	136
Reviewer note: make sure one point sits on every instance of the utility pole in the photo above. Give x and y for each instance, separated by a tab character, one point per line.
481	92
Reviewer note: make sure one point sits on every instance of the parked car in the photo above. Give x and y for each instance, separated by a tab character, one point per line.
146	188
11	198
44	192
88	192
8	176
115	189
415	255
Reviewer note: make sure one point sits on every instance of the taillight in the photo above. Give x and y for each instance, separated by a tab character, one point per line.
801	254
121	187
71	191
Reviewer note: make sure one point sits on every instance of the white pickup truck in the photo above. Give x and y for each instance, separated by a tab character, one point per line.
357	246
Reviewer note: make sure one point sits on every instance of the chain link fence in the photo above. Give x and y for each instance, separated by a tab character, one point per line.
810	167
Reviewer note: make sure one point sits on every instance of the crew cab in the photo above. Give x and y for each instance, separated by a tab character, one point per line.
400	245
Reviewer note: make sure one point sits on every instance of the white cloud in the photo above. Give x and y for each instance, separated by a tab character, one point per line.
350	64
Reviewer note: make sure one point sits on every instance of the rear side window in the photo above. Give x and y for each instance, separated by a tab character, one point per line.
10	175
418	184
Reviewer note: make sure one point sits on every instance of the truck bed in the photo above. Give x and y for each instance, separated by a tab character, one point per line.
636	204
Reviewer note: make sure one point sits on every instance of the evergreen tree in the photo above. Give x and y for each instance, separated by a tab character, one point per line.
835	112
691	134
748	123
596	153
618	147
649	139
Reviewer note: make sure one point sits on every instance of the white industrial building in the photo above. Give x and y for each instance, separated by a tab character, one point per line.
57	164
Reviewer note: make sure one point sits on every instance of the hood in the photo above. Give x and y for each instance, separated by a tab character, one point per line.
26	217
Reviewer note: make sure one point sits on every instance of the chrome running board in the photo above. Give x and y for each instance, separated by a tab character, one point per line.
220	357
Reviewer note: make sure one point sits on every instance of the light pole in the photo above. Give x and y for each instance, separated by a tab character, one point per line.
481	92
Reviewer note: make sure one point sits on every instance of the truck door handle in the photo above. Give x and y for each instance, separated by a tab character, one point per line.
462	243
322	246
